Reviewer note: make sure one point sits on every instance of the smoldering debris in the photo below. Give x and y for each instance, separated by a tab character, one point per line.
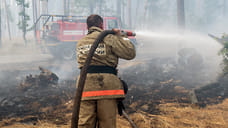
38	95
148	99
44	79
188	68
171	79
213	93
153	82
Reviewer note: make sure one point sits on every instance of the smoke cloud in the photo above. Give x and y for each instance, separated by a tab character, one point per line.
191	58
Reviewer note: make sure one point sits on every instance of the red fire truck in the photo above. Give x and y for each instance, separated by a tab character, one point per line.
59	33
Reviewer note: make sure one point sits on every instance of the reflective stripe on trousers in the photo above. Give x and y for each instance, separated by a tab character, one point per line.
102	93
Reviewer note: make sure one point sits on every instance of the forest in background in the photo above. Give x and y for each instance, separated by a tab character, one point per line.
199	15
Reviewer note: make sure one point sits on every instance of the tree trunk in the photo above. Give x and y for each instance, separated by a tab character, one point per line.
151	13
66	6
7	20
100	6
44	7
24	22
33	11
34	15
24	37
123	13
180	14
118	5
0	23
38	12
44	10
129	14
145	12
224	8
91	7
137	13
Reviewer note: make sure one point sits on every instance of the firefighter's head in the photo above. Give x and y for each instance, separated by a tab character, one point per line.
95	20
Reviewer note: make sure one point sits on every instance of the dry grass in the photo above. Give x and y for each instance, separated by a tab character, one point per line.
215	116
173	115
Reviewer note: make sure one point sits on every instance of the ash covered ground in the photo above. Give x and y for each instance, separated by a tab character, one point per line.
165	70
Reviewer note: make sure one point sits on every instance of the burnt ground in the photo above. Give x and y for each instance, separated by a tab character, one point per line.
32	100
163	78
17	101
155	83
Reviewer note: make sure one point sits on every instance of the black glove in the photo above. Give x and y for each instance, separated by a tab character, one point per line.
121	107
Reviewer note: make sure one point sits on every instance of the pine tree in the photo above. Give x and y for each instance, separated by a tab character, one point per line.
224	53
8	18
23	23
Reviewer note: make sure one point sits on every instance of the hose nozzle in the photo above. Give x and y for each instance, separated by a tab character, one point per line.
128	33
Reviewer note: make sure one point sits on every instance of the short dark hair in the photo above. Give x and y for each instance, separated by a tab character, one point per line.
94	20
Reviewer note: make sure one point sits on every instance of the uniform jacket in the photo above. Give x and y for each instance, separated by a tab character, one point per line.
103	85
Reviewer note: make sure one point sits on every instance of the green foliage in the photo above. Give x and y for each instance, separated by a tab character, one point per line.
23	22
224	53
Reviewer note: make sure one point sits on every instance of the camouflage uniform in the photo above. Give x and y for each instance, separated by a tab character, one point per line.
102	89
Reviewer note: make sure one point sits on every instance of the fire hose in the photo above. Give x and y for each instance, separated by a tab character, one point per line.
81	83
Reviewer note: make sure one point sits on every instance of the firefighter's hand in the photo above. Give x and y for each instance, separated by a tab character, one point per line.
117	31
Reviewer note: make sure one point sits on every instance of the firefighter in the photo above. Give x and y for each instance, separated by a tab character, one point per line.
102	86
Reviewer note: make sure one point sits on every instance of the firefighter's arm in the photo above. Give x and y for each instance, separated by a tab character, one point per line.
122	47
